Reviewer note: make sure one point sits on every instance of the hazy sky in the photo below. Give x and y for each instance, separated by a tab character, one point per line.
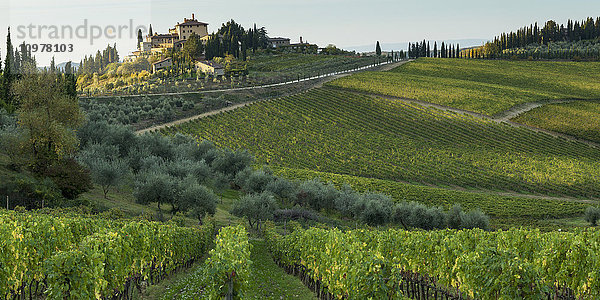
345	23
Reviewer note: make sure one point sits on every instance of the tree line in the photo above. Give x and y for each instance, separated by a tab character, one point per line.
423	49
551	32
517	44
20	64
97	63
233	39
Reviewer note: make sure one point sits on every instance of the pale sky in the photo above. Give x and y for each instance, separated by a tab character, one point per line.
343	23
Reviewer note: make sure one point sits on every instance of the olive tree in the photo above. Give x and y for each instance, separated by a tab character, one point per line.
155	186
592	215
197	198
256	208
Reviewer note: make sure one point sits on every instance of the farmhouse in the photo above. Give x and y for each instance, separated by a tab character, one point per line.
302	47
210	68
161	64
279	41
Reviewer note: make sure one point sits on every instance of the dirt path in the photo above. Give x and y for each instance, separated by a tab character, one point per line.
317	83
204	115
517	110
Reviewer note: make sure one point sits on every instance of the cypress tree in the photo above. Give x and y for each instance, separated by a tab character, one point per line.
443	50
254	39
428	50
139	39
435	49
52	66
378	49
8	75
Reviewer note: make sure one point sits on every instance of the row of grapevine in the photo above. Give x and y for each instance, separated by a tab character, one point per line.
514	264
342	132
227	268
484	86
567	118
86	258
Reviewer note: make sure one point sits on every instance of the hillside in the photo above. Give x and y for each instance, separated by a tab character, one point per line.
483	86
346	133
412	153
578	118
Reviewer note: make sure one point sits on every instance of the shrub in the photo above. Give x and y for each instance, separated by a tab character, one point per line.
592	215
476	219
30	192
456	217
377	209
70	177
281	215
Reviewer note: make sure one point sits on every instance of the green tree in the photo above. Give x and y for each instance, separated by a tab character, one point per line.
197	198
193	48
108	173
155	186
139	39
256	208
8	76
378	49
49	116
592	215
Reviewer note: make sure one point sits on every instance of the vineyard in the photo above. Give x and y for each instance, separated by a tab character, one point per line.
307	65
342	132
77	257
484	86
389	264
579	118
507	210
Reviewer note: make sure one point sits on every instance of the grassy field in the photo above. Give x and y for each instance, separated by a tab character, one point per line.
483	86
346	133
579	118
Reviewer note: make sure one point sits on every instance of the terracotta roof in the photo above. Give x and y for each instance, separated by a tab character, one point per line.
278	39
191	22
165	35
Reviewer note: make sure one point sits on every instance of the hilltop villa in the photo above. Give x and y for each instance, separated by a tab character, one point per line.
176	37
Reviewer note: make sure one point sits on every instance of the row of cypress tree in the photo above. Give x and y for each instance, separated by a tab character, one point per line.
423	49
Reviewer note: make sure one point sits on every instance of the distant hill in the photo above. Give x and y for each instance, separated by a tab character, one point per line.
61	66
464	43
